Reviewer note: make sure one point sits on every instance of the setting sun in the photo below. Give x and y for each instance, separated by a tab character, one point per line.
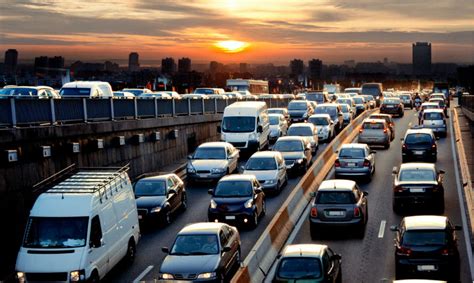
232	46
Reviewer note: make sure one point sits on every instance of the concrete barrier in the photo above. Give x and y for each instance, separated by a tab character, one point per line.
261	257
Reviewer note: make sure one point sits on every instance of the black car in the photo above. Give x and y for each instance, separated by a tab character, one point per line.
392	105
206	252
419	144
418	184
426	248
297	153
237	199
299	110
158	197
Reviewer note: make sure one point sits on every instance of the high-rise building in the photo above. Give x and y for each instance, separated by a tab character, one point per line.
184	65
111	67
315	67
243	68
41	64
296	67
133	62
168	66
56	62
11	61
421	58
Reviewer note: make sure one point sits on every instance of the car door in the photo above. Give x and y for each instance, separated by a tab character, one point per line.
233	156
98	256
258	197
172	194
179	186
225	257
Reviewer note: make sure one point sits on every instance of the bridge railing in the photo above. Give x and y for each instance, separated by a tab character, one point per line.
467	106
15	112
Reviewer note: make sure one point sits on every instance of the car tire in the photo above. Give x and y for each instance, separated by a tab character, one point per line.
360	232
167	217
398	272
313	232
404	159
396	208
339	276
441	206
94	277
279	187
131	252
387	145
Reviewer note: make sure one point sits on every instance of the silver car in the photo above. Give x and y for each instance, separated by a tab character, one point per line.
434	119
211	161
269	169
375	132
278	126
324	126
355	159
308	131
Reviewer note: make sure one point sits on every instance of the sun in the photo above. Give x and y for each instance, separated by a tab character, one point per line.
231	46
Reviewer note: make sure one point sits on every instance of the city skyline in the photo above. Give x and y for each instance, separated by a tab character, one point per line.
268	31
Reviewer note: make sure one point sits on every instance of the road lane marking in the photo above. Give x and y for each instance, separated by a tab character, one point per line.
382	228
143	274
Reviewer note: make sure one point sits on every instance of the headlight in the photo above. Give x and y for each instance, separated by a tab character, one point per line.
249	203
222	137
156	209
167	276
213	204
20	276
305	115
324	129
217	170
77	275
270	181
299	160
252	136
191	169
207	275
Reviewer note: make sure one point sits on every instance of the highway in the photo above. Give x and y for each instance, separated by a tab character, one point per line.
149	254
371	259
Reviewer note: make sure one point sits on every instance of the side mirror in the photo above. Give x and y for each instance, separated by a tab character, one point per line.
312	194
258	190
242	168
219	130
259	129
336	257
442	172
172	191
373	152
210	191
190	157
395	170
278	256
96	243
394	228
166	250
437	138
457	227
365	193
226	249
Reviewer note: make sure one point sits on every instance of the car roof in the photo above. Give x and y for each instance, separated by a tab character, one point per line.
265	154
304	250
419	131
292	138
157	177
370	120
301	125
425	222
417	165
238	177
202	228
320	116
353	145
213	144
339	185
378	115
429	103
433	111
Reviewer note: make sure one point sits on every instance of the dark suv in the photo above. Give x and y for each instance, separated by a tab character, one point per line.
426	247
419	144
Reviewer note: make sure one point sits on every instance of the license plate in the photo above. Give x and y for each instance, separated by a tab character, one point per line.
336	213
426	268
351	164
230	217
418	152
203	175
389	106
140	217
417	190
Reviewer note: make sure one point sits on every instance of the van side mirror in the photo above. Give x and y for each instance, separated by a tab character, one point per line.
259	129
190	157
96	243
365	193
373	152
219	130
336	257
442	172
166	250
395	170
394	228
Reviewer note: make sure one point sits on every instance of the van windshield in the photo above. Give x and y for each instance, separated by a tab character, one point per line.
238	124
56	232
72	91
373	90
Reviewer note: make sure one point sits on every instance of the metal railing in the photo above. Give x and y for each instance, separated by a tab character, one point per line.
15	112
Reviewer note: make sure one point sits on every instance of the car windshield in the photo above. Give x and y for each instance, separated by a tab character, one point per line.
332	111
73	91
195	245
204	91
274	120
391	101
300	131
237	124
297	106
209	153
358	100
287	146
344	108
233	189
319	121
373	126
417	175
150	188
56	232
19	91
418	139
371	90
352	153
275	111
433	116
380	117
318	97
260	163
335	198
424	238
299	268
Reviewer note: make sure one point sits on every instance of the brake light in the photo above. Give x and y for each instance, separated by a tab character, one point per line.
366	163
337	163
434	145
361	130
404	251
356	212
385	130
314	212
398	189
445	252
404	146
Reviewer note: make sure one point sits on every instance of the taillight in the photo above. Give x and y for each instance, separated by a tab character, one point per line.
404	251
337	163
404	146
356	212
361	130
314	212
433	146
385	130
446	252
366	163
398	189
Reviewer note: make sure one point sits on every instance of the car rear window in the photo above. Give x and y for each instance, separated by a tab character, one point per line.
352	153
335	198
300	268
433	116
300	131
417	175
418	139
373	126
424	238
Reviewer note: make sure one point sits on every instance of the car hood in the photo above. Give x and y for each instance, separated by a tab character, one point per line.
208	164
263	174
150	201
190	264
321	128
293	155
231	200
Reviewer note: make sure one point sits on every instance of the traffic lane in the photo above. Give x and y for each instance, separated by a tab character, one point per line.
371	259
149	250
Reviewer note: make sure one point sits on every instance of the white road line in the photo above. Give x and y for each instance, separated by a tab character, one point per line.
143	274
382	228
461	200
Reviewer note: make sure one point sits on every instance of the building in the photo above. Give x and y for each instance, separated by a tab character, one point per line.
315	67
421	59
111	67
184	65
133	62
243	68
168	66
41	64
11	61
56	62
296	67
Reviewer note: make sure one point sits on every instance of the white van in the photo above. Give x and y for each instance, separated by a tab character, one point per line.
88	89
80	227
245	125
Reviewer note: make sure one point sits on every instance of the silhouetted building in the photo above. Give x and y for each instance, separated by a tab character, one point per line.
184	65
168	66
11	61
243	68
296	67
421	59
111	67
315	67
215	67
56	62
41	64
133	62
350	63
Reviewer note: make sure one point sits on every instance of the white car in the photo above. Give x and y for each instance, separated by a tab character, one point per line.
324	126
307	130
278	126
269	169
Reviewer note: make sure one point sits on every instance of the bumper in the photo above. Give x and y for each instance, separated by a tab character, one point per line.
295	167
206	176
418	154
437	130
144	217
269	187
433	269
416	200
341	171
231	217
374	140
393	111
316	222
297	119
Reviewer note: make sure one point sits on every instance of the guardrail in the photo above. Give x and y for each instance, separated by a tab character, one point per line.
467	106
260	259
33	111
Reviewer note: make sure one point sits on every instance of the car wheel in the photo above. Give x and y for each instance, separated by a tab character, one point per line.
279	187
404	159
167	217
398	272
94	277
313	231
368	177
396	208
360	231
131	252
387	145
441	206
